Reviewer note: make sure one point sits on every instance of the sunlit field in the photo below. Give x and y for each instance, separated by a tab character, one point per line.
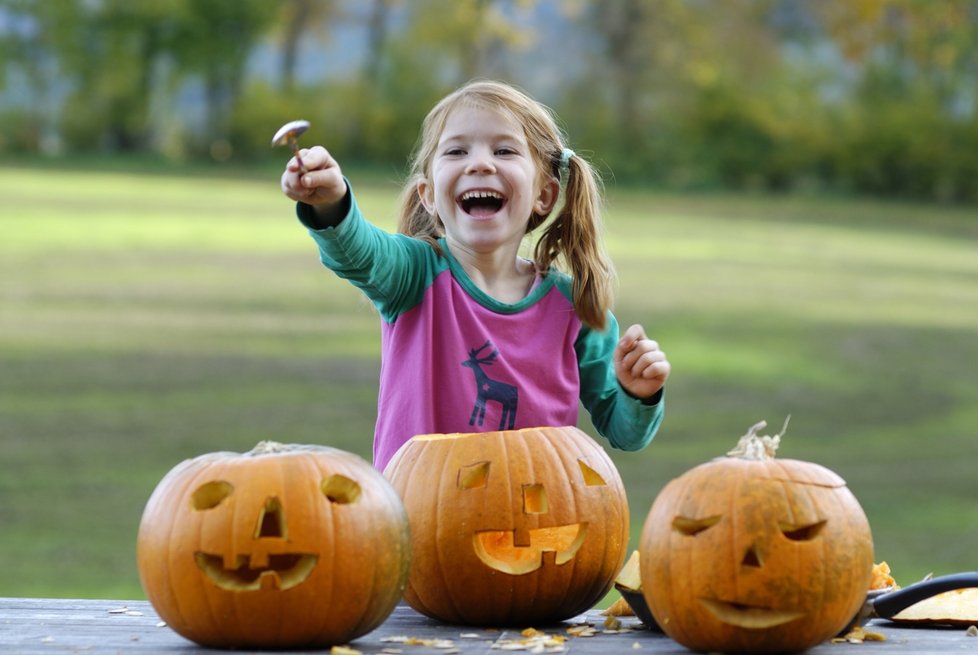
148	318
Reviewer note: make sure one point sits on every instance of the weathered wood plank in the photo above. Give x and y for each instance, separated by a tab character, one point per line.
38	626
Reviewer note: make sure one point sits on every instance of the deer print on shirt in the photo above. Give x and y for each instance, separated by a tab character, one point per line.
488	389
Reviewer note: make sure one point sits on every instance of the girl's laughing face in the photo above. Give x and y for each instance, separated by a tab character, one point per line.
485	183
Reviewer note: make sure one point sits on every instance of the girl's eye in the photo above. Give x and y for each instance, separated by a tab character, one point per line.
454	152
505	151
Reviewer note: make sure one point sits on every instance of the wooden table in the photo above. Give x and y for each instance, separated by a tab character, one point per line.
44	625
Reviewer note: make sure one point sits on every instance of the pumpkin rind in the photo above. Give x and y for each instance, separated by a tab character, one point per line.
755	556
290	546
510	527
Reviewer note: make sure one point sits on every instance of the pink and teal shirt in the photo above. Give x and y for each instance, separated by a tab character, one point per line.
453	359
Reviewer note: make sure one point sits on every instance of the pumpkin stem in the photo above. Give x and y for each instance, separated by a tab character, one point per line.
758	448
268	447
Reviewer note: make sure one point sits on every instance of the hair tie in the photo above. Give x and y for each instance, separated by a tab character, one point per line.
565	156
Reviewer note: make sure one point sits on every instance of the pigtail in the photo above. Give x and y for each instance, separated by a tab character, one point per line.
414	220
574	237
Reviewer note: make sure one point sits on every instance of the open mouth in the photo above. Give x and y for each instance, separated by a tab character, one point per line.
748	616
498	550
282	572
481	203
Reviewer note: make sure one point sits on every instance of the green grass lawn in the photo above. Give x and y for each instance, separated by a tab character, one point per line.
147	318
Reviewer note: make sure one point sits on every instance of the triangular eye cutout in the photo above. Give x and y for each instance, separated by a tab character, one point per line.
591	477
802	532
692	527
473	476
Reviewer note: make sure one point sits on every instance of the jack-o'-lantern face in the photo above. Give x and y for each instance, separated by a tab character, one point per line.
768	522
521	550
522	525
755	556
275	559
234	550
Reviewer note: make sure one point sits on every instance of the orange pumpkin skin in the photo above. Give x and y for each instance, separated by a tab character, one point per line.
510	528
283	546
755	556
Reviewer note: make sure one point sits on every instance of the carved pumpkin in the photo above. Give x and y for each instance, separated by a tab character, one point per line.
511	527
751	554
283	546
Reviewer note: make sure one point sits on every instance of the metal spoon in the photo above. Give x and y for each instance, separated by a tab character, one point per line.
888	604
287	135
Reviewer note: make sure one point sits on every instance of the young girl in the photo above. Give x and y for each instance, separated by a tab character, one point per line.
474	336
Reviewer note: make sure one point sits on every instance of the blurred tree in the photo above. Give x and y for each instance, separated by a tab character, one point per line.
682	74
103	55
923	44
914	94
456	41
214	39
26	50
626	26
438	44
299	18
378	26
111	53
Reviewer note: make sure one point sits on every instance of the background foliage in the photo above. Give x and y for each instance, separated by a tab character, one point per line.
874	96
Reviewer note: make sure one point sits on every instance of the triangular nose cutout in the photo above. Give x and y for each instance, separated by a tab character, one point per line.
271	521
751	558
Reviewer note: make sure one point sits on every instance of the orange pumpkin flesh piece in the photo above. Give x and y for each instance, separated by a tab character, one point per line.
510	528
281	547
755	556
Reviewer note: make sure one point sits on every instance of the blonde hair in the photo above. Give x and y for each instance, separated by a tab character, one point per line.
572	238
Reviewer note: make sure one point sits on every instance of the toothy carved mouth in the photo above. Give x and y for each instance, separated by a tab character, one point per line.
282	571
748	616
497	548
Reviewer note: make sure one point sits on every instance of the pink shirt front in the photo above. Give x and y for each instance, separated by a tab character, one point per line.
459	356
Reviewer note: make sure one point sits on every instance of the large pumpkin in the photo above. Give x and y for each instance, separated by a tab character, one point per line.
283	546
752	554
512	527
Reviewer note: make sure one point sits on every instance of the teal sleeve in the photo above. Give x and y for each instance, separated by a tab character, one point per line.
626	422
392	270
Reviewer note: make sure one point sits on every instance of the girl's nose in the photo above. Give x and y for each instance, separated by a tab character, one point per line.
480	161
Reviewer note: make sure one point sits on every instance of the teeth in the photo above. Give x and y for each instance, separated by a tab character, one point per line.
469	195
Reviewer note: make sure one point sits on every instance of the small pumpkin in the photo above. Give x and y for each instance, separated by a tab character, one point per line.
510	527
283	546
748	553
